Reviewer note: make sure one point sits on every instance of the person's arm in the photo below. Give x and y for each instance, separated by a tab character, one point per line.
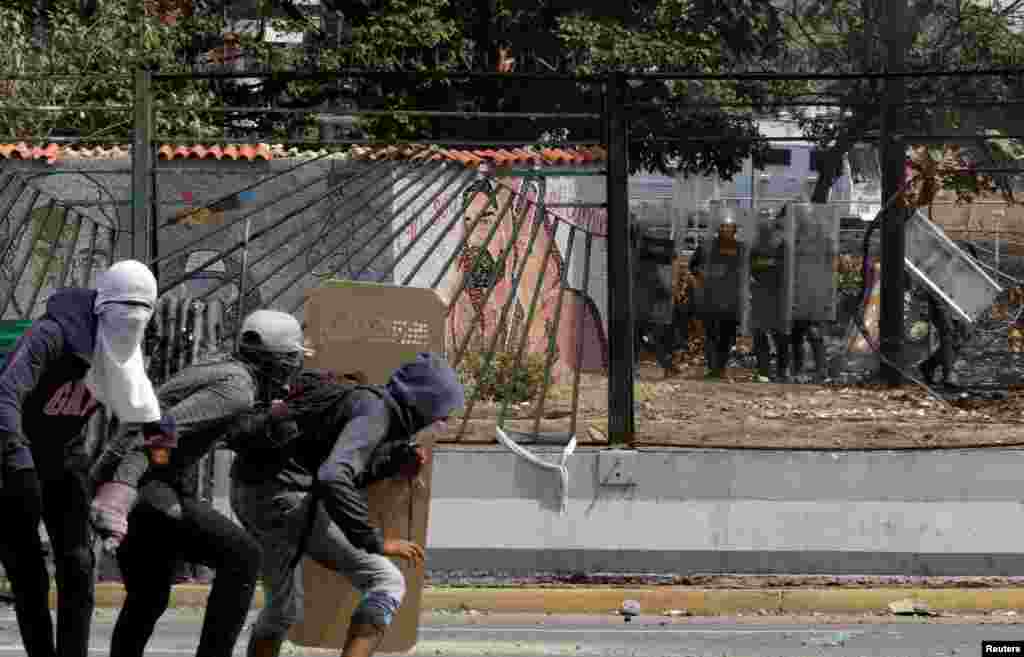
369	423
37	349
125	457
202	401
262	429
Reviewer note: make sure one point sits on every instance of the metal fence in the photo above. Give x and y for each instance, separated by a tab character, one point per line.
517	268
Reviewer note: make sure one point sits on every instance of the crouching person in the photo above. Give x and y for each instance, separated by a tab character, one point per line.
305	491
83	353
170	525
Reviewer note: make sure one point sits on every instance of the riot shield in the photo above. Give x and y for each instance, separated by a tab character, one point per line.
771	272
724	272
652	287
816	250
941	266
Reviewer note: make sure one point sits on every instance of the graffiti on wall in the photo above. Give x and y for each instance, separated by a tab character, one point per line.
509	271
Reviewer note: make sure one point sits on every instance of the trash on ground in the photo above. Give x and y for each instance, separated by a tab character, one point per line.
910	607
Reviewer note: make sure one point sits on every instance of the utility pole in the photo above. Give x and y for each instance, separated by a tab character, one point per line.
894	34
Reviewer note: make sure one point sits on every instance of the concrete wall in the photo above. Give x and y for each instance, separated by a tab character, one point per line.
751	511
556	189
693	511
304	214
332	216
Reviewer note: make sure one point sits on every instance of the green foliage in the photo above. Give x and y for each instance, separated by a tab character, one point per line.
849	280
842	36
501	380
102	54
436	35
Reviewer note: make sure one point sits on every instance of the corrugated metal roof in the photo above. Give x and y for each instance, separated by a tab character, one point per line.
500	157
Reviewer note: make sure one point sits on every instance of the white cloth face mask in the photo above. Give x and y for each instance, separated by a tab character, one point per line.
118	376
122	328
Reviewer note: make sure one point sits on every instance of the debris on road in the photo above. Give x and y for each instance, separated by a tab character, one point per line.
629	609
837	640
910	607
676	613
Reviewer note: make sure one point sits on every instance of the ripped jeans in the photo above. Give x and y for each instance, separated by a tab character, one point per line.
278	518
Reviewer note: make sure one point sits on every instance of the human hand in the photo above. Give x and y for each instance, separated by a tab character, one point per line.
278	409
109	512
160	438
403	549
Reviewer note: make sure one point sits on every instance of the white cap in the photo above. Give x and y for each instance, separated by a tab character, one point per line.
278	332
126	281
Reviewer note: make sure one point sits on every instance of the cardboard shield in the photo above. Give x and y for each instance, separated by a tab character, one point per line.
372	328
725	272
941	266
816	252
771	272
652	287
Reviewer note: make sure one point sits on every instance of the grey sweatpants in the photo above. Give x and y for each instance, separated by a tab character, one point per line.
277	519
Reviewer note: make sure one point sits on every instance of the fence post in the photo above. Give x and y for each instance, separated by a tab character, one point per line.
621	340
154	213
141	164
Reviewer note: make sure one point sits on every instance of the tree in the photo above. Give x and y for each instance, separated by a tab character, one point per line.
443	36
106	49
846	36
589	38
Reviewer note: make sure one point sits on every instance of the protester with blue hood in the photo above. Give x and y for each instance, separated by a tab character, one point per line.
300	487
84	352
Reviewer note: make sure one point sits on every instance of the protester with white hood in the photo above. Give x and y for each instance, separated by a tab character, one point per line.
85	351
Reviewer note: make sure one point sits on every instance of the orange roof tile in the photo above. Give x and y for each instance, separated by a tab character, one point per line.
502	157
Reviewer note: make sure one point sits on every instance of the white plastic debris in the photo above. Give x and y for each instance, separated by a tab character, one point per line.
559	467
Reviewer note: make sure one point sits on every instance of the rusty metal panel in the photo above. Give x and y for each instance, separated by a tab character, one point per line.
372	329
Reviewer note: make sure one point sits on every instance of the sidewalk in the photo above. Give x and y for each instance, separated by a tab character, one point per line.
701	596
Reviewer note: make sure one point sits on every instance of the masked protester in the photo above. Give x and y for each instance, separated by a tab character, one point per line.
82	353
303	491
170	525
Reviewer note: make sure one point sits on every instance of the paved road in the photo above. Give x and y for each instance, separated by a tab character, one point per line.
544	636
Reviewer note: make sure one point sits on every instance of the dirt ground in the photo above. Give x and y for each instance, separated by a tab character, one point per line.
687	411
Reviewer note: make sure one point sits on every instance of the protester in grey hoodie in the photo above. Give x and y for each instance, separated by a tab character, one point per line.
170	524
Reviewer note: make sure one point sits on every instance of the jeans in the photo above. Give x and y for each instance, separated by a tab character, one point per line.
279	519
148	559
62	503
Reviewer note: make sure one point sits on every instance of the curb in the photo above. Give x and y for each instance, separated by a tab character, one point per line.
653	599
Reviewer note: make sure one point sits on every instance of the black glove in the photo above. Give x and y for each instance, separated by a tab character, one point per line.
14	455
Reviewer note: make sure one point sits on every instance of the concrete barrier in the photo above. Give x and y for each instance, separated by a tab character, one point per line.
914	512
692	511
